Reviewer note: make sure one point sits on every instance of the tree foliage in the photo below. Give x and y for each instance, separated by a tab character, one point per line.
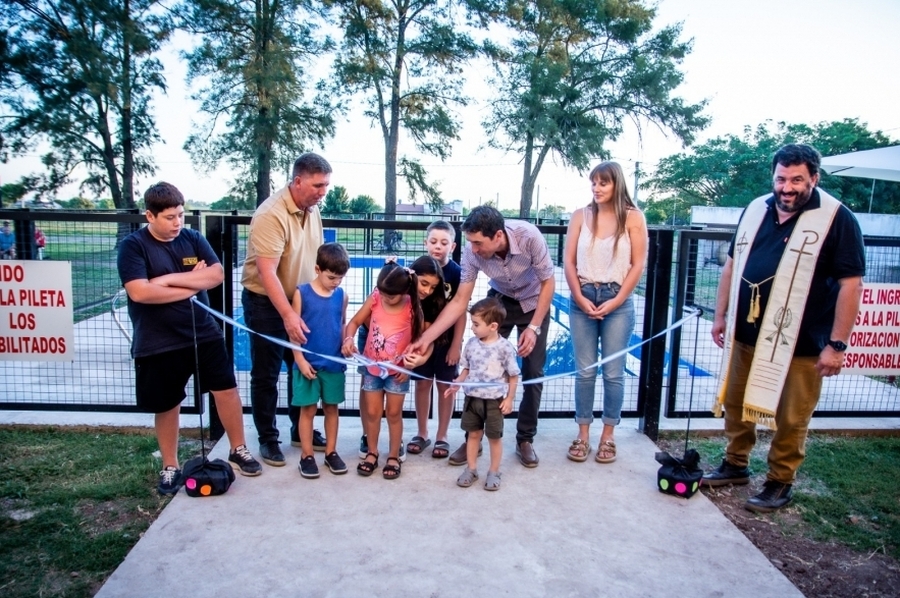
405	57
571	73
363	204
78	76
337	201
731	170
252	59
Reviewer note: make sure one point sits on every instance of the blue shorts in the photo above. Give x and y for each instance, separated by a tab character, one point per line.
390	384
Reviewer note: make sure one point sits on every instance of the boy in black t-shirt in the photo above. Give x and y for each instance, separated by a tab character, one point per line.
162	266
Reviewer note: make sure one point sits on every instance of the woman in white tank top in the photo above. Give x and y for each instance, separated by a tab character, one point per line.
605	255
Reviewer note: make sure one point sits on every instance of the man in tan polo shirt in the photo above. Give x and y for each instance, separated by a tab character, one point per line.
285	233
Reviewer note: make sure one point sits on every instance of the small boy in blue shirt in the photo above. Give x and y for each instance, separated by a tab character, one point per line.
323	306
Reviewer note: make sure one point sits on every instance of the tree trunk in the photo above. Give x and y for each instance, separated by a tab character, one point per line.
127	134
530	175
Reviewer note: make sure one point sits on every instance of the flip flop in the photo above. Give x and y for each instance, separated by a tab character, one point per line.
441	450
417	445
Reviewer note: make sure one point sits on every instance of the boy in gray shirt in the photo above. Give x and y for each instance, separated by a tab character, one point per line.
487	358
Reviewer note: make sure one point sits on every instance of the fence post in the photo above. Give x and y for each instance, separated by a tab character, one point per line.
656	310
24	233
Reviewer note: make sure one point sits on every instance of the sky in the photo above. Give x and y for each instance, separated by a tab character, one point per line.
797	61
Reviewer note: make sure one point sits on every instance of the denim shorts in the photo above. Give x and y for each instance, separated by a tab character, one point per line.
390	384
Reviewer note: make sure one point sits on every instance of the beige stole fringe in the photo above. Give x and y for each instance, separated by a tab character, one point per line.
784	311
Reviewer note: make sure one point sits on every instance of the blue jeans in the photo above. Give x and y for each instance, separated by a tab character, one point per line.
614	331
266	358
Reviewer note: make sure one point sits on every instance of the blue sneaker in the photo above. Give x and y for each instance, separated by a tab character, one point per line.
363	446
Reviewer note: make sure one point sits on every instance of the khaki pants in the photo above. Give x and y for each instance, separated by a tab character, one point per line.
798	401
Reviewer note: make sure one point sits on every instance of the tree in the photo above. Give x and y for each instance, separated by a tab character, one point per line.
233	202
252	58
405	56
336	201
10	193
572	72
79	76
363	204
729	171
78	203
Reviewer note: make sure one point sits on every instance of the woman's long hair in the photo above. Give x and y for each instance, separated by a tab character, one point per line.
394	279
622	202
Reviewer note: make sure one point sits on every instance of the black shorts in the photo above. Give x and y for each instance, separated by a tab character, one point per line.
160	379
437	366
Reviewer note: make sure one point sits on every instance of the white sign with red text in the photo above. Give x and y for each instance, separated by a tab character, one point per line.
36	311
874	347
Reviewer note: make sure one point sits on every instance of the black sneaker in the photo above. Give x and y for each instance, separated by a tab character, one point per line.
243	462
725	474
335	464
169	481
308	467
363	446
318	441
271	453
774	496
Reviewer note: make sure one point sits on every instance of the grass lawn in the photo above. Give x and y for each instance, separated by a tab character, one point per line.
72	504
846	489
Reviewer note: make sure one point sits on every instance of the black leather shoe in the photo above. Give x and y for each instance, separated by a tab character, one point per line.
459	456
271	453
726	474
318	439
774	496
526	454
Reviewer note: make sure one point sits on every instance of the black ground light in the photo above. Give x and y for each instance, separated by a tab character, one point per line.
681	476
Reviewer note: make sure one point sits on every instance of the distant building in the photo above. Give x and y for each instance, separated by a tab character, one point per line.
411	211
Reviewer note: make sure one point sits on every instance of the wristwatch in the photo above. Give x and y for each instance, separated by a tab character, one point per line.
839	346
535	329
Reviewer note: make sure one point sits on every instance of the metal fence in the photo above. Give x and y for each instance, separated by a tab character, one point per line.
677	371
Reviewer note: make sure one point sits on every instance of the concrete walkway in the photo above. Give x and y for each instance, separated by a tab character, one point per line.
562	529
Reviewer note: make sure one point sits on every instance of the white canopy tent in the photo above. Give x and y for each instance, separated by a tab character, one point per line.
881	164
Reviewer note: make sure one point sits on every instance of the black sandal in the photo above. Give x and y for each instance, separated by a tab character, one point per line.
391	472
367	468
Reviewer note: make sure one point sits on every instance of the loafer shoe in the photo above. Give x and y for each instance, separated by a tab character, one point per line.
335	464
527	456
774	496
725	474
458	457
271	453
308	467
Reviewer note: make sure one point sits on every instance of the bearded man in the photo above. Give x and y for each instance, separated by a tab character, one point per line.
786	304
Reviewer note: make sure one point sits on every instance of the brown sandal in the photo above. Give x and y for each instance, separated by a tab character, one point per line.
579	450
607	447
